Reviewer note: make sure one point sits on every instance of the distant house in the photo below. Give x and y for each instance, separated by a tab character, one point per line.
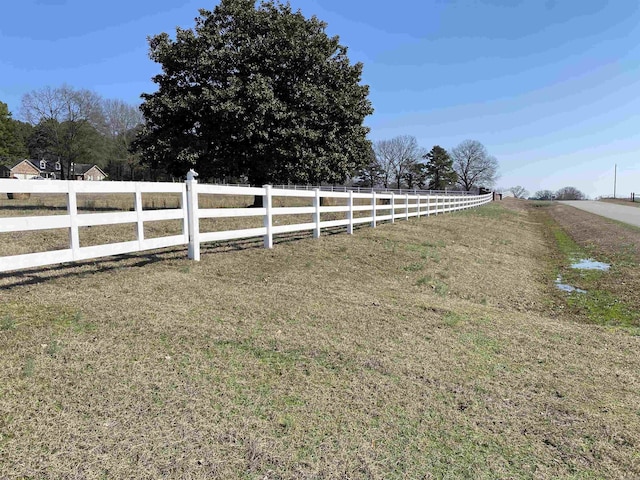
52	170
27	169
5	172
87	171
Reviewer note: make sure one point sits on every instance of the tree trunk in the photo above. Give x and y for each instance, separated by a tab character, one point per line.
257	202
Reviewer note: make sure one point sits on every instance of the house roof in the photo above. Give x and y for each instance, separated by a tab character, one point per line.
82	168
29	162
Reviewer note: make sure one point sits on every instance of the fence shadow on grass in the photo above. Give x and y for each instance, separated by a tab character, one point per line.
80	269
38	275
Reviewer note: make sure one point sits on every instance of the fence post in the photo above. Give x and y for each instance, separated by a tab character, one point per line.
184	204
267	201
406	206
373	214
193	217
393	207
350	213
316	215
418	200
428	205
72	210
138	207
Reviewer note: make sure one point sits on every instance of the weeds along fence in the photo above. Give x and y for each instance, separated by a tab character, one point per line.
196	216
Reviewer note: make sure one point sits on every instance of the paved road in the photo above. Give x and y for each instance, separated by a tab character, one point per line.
630	215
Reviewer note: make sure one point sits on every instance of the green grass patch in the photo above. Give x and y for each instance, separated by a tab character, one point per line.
451	319
427	250
438	286
7	323
74	321
413	267
605	308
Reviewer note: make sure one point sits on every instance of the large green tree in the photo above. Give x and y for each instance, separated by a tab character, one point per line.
440	169
12	144
256	91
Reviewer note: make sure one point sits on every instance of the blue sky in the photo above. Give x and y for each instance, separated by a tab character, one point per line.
550	87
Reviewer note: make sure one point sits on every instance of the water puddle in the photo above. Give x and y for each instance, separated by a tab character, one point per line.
565	287
582	264
590	264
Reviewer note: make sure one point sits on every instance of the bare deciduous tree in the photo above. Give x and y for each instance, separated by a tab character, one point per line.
121	121
120	117
396	157
544	195
473	164
65	113
570	193
519	192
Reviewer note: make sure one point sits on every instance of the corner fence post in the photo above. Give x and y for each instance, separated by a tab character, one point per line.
350	213
192	215
267	201
316	215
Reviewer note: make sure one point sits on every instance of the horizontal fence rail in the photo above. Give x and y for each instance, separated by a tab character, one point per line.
377	207
348	188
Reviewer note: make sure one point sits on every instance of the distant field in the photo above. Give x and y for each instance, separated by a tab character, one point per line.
433	348
622	201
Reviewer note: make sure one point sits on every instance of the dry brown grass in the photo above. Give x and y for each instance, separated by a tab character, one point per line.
622	201
416	350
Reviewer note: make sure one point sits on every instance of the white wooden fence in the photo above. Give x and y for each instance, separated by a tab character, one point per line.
395	207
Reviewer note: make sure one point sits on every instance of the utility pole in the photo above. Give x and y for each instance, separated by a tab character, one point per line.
615	176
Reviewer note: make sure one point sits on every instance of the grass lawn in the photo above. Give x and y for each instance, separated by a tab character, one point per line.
433	348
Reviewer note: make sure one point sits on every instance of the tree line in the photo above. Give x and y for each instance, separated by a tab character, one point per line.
253	93
564	193
69	125
400	163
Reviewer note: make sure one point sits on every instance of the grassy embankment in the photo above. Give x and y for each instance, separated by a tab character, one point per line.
622	201
430	348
